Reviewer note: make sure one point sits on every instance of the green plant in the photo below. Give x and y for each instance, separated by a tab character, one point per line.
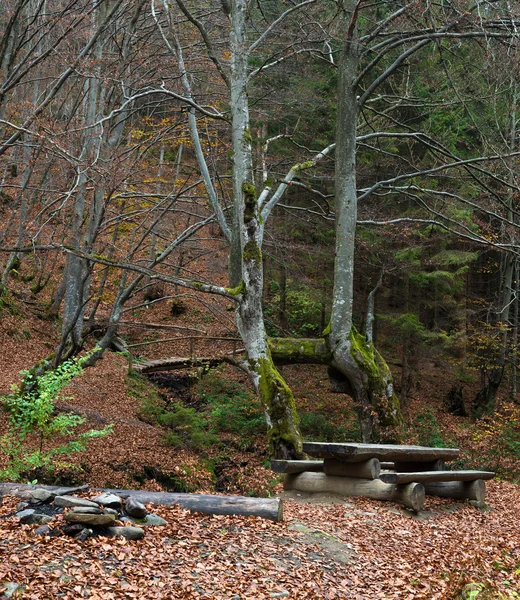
428	430
302	309
33	421
316	426
231	406
186	427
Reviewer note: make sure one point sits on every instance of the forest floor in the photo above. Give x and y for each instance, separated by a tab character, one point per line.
327	548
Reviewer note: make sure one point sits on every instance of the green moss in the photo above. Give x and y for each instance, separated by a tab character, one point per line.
250	208
283	434
379	381
309	350
239	290
327	331
302	166
252	252
247	136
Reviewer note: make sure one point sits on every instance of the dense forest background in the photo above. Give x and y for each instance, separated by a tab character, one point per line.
273	183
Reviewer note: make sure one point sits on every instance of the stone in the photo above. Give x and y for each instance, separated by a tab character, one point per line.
112	511
72	529
9	589
42	495
134	508
25	512
110	500
84	534
95	520
88	510
43	530
69	501
129	533
35	519
154	520
150	520
21	506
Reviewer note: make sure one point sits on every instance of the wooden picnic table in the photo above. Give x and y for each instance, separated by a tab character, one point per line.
354	469
353	452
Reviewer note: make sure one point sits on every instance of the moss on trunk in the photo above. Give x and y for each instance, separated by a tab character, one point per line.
378	386
283	435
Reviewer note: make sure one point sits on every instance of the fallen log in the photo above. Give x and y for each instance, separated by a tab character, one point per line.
368	469
266	508
460	490
410	495
384	452
296	466
12	489
436	476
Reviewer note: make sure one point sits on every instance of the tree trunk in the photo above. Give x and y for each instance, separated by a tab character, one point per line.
356	358
246	265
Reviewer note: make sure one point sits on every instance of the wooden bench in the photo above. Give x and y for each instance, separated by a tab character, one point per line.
353	469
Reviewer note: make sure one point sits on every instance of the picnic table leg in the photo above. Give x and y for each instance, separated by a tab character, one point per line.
460	490
410	495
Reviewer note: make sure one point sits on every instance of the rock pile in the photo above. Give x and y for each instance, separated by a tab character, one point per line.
102	515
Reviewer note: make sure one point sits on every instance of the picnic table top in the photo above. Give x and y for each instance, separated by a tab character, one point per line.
354	452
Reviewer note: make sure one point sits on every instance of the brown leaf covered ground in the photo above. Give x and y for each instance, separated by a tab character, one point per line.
358	549
355	550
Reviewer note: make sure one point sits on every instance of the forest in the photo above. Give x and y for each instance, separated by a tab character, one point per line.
227	227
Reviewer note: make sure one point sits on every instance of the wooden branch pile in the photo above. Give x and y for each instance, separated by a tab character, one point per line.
403	474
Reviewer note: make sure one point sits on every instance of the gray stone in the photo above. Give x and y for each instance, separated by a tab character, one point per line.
42	495
84	534
43	530
154	520
35	519
72	529
480	505
149	521
134	508
300	527
25	512
9	589
110	500
68	501
129	533
87	510
99	520
21	506
112	511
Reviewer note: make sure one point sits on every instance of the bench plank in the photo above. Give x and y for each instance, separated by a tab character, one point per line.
352	452
432	476
296	466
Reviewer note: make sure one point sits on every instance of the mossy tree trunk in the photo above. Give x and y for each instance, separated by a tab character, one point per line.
246	268
355	357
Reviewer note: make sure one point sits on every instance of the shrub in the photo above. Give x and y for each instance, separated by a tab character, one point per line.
232	408
429	431
318	427
33	421
186	427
